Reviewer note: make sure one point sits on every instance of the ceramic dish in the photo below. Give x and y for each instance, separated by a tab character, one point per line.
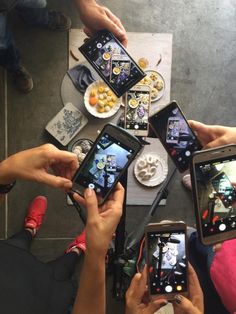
100	101
80	147
156	82
150	170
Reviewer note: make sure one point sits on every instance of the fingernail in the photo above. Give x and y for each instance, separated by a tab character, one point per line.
88	192
178	298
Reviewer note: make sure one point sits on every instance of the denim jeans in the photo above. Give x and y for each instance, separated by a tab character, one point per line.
33	13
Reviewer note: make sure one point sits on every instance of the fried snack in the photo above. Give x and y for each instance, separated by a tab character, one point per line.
153	76
143	63
154	93
159	85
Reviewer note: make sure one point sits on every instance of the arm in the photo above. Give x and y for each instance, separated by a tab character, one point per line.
101	224
96	17
36	164
213	135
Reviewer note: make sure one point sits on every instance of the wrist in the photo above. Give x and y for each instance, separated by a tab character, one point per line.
82	4
6	174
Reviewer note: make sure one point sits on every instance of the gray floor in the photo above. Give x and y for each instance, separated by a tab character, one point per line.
203	81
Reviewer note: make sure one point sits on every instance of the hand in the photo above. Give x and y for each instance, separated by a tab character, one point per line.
193	305
96	17
213	135
34	165
101	221
135	294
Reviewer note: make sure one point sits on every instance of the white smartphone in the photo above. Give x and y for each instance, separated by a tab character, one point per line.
138	100
167	264
213	175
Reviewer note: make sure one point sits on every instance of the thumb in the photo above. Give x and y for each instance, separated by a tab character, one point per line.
185	305
55	181
216	143
155	305
197	126
91	204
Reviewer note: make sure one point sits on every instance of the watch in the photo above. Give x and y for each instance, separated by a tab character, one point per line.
6	188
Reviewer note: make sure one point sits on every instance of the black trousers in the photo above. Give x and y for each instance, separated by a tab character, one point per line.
63	267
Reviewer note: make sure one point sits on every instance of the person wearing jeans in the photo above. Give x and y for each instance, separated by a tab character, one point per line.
49	287
35	13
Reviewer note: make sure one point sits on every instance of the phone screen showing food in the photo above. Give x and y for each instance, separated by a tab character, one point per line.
175	134
137	111
103	168
112	62
167	264
216	195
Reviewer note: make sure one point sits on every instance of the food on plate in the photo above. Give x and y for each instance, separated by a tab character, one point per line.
102	98
81	148
153	76
133	103
159	85
154	93
156	83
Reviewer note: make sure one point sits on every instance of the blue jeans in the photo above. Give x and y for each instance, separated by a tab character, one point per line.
33	13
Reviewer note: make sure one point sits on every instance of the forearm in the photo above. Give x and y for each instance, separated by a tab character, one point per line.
91	296
5	177
81	4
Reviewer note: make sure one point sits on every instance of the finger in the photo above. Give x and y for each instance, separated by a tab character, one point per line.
184	305
114	29
63	157
54	181
155	305
217	247
79	199
89	32
91	204
115	19
216	143
193	278
119	193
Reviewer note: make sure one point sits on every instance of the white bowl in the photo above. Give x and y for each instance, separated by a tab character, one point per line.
92	109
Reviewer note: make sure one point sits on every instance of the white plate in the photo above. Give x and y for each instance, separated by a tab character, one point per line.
152	83
92	109
161	170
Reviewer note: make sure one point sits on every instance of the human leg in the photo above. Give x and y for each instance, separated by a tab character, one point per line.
21	239
36	13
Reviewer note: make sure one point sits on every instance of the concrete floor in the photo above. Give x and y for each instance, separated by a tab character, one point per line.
203	81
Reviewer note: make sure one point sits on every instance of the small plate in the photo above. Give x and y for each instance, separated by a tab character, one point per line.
92	109
150	159
152	81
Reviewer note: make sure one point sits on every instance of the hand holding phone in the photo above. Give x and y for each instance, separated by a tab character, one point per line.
167	264
176	136
107	160
213	176
112	62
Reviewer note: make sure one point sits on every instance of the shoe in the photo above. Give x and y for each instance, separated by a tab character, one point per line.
79	242
58	21
186	180
36	213
22	79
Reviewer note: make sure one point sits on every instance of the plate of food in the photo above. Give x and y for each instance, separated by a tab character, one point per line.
150	169
100	101
156	82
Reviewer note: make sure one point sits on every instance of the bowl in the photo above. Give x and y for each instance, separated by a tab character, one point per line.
100	101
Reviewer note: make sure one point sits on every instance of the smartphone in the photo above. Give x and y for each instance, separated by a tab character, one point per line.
213	176
167	264
107	160
173	130
138	100
112	62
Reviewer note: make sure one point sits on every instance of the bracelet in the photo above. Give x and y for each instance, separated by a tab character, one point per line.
6	188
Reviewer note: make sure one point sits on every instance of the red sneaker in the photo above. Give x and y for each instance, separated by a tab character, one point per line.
36	212
79	242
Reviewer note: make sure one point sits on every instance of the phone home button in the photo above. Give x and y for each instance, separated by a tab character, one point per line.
222	227
168	289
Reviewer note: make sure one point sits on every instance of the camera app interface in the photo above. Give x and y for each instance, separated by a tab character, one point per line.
113	63
137	110
104	165
167	262
216	189
174	131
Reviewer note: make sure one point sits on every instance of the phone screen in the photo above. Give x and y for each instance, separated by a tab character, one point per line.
216	194
137	111
175	134
112	62
106	162
167	262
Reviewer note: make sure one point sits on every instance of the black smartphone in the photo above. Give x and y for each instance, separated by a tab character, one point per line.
137	107
167	264
173	130
112	62
213	175
109	157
